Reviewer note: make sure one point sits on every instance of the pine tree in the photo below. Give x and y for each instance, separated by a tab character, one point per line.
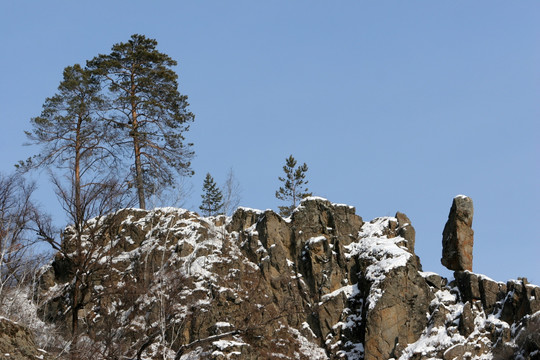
212	199
293	189
74	143
71	136
149	111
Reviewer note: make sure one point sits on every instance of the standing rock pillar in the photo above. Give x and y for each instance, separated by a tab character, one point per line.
458	235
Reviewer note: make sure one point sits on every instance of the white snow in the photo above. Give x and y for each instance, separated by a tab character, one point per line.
431	340
247	209
426	274
221	324
307	348
356	352
306	327
316	239
348	291
290	263
313	198
383	253
22	310
224	344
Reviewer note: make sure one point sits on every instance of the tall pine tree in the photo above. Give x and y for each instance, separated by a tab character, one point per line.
293	189
212	199
72	137
74	141
150	112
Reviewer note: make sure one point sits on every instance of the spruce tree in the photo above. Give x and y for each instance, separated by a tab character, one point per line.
212	199
149	111
293	189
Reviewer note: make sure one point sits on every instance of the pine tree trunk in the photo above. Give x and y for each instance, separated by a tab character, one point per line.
137	148
78	228
138	172
75	311
77	177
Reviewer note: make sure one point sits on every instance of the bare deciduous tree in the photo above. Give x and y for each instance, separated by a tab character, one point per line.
81	244
16	210
231	193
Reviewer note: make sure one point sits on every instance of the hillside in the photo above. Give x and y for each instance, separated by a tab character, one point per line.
322	284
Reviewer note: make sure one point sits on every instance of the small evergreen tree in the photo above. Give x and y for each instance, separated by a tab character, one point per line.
293	189
212	199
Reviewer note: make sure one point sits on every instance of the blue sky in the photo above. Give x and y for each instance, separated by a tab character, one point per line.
393	105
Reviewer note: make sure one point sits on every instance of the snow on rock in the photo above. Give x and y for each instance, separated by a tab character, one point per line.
315	240
348	291
306	287
432	341
383	253
437	338
307	348
224	344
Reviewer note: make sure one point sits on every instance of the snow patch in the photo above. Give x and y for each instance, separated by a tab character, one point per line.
224	344
348	291
383	253
307	348
315	240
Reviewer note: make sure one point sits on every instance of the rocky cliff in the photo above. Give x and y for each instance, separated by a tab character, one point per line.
322	284
17	342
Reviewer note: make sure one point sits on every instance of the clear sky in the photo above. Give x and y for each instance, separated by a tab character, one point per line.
394	105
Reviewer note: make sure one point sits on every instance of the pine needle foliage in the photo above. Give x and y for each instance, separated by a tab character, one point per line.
293	189
149	112
74	140
68	129
212	198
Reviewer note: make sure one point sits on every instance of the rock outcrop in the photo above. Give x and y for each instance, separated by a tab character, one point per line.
322	284
17	342
458	235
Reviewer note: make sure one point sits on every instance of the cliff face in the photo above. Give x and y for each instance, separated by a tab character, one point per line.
17	342
323	284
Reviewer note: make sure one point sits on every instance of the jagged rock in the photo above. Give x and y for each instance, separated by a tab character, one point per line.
435	280
397	298
528	337
17	342
322	284
521	299
399	316
457	352
406	230
491	292
478	287
458	235
466	320
468	285
439	316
